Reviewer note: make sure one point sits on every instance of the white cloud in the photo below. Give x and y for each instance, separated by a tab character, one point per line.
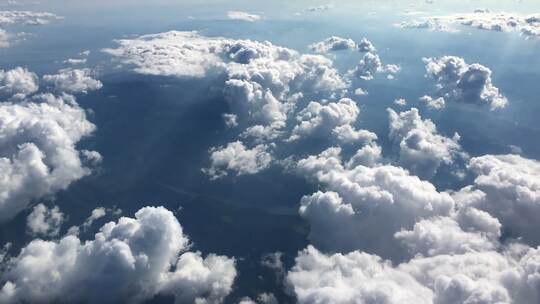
352	278
238	158
333	43
433	103
370	65
244	16
458	81
508	187
39	155
422	149
73	81
361	199
527	25
130	260
510	276
43	221
317	118
263	83
18	83
360	92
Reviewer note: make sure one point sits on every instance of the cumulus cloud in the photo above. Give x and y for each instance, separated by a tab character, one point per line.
474	277
433	103
243	16
323	118
508	187
469	83
73	81
527	25
352	278
370	65
361	198
39	155
18	83
131	260
239	159
333	43
422	149
264	84
43	221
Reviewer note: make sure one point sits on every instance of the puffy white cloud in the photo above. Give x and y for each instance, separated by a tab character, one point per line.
422	149
349	135
508	187
18	83
527	25
352	278
73	81
360	92
238	158
43	221
365	204
323	118
370	65
39	155
244	16
131	260
444	235
458	81
490	277
263	81
433	103
333	43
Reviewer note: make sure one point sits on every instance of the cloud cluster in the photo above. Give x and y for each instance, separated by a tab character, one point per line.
38	134
45	221
475	277
445	247
527	25
39	155
365	202
422	149
18	83
131	260
265	85
243	16
508	187
237	158
458	81
370	65
335	43
73	81
318	119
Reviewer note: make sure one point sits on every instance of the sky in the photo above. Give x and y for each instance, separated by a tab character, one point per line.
268	152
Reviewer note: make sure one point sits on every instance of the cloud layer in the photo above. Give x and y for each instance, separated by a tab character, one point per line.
132	260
